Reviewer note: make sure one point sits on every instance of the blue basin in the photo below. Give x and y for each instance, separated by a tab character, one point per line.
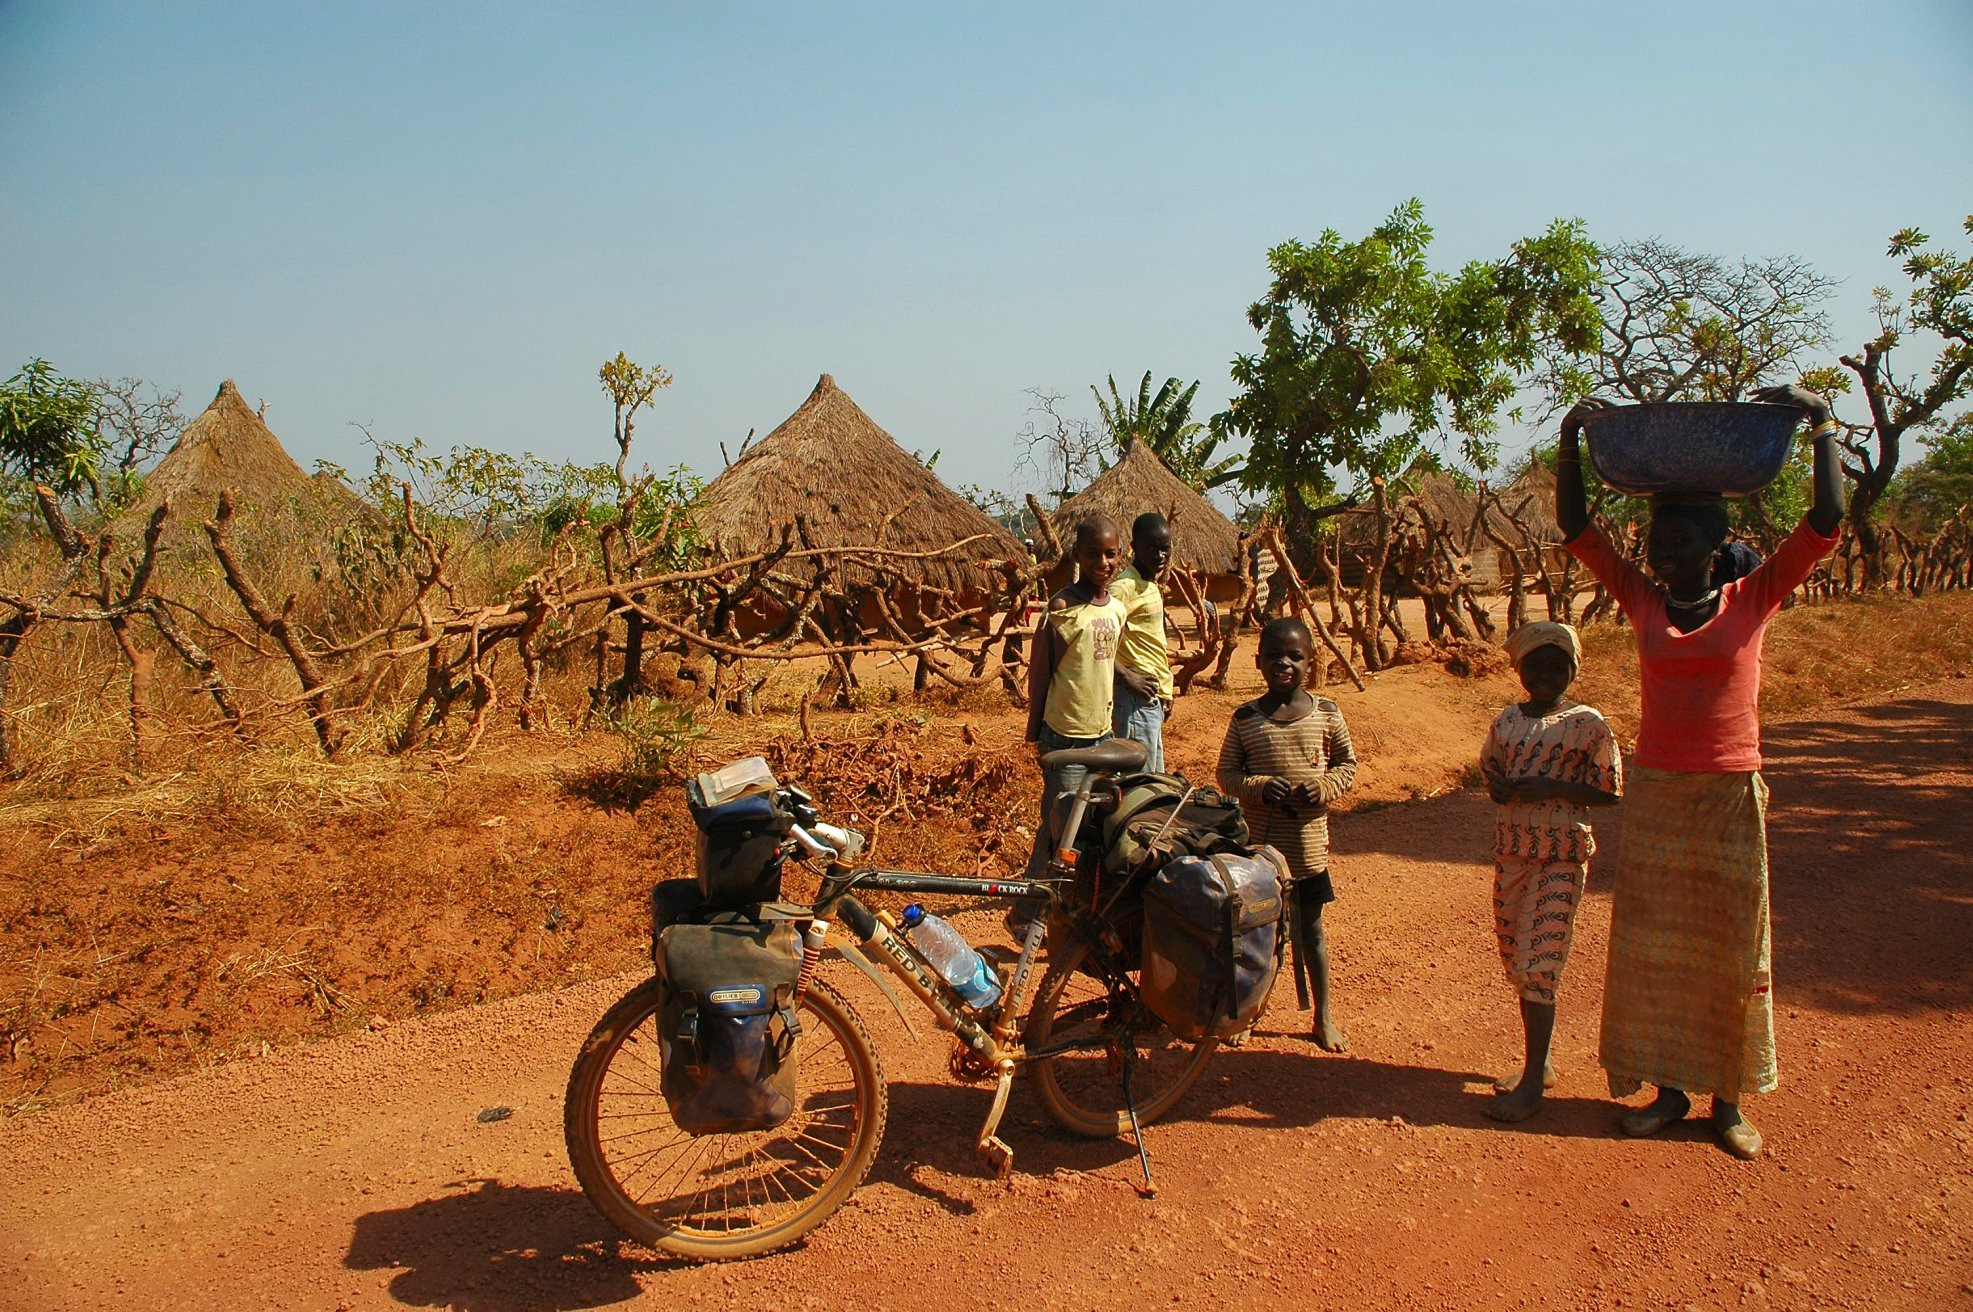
1732	448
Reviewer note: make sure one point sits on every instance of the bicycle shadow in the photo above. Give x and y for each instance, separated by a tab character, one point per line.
1254	1088
501	1248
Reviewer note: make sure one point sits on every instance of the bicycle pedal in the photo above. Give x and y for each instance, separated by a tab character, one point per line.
995	1152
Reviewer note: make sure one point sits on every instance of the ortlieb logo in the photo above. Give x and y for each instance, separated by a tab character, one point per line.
748	996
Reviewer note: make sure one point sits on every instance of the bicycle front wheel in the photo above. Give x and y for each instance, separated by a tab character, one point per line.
1093	1026
721	1196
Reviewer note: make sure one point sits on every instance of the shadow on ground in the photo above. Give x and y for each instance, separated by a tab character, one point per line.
495	1247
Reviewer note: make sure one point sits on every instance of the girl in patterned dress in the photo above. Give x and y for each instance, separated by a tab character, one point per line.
1546	761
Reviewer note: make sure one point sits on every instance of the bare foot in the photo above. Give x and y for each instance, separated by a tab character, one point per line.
1510	1081
1517	1104
1329	1038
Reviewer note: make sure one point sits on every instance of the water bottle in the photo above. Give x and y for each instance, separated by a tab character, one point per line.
948	952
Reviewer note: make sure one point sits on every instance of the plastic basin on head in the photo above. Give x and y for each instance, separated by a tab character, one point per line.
1731	448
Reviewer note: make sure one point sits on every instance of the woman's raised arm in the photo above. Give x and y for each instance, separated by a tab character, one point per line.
1571	502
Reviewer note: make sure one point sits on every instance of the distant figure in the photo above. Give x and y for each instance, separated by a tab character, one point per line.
1546	761
1287	756
1687	1003
1736	560
1144	684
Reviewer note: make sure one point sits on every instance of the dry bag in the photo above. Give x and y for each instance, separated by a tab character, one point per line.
1212	942
727	1028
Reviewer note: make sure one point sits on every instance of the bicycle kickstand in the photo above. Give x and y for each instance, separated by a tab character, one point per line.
1149	1189
992	1149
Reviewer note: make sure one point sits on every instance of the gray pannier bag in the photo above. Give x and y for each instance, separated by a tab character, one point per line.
1213	939
727	1029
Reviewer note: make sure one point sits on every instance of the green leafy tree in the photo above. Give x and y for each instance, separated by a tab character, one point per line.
1936	488
1366	352
1164	423
1939	306
48	429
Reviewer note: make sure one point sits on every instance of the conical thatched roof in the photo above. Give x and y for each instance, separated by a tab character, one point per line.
1532	498
830	462
1202	539
227	446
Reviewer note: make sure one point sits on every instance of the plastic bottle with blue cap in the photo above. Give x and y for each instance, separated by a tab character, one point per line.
946	950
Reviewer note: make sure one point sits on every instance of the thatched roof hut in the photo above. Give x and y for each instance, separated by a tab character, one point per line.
1451	507
227	446
287	524
831	463
1531	499
230	446
1203	540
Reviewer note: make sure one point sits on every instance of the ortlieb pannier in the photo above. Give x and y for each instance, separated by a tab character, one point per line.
739	843
727	1029
1212	941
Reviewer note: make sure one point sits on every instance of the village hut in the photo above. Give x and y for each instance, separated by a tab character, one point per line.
1204	542
1451	507
229	446
1530	498
855	486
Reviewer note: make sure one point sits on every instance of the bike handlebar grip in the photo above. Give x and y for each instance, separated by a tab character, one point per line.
861	920
816	848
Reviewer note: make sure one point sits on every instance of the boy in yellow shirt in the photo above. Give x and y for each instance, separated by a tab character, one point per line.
1072	679
1144	684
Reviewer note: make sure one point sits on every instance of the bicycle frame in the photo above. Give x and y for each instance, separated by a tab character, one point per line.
990	1048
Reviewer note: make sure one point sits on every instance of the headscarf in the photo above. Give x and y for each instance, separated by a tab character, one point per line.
1544	633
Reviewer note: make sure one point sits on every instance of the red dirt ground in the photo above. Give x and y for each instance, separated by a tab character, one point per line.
352	1172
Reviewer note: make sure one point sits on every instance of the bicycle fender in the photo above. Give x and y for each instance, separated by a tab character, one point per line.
854	955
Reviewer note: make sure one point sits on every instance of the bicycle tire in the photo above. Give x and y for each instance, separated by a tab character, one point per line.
615	1077
1084	1093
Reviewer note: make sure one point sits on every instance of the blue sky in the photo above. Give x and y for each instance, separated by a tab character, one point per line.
439	219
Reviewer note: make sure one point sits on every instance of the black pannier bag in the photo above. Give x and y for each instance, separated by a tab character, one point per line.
739	845
727	1029
1213	939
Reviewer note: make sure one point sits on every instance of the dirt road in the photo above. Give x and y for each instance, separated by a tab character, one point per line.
357	1174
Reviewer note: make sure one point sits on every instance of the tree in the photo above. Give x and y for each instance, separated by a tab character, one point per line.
1365	351
1065	452
1165	424
1940	303
1680	325
630	387
1937	487
48	429
1683	326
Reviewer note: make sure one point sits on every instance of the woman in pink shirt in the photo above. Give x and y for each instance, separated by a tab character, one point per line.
1686	1003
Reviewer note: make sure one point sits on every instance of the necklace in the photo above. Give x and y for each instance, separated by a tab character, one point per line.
1699	604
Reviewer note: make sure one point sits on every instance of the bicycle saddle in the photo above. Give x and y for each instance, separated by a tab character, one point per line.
1115	756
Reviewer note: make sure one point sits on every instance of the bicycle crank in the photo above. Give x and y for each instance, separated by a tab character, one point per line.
993	1150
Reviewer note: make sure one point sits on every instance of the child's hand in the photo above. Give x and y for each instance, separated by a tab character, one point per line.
1276	791
1503	791
1307	794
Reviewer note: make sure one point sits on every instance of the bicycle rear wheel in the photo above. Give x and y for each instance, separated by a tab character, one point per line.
1081	1089
722	1196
